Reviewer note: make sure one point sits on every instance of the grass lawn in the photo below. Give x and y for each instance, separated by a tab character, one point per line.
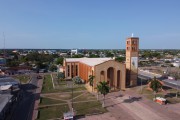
47	85
145	91
89	108
52	112
65	89
48	101
151	96
81	108
61	82
85	97
60	96
173	100
64	96
22	78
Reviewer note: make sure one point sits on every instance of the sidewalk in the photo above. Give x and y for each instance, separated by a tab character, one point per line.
37	99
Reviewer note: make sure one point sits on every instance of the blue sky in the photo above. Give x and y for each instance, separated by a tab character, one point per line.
97	24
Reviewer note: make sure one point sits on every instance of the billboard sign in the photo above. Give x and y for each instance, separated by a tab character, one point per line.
134	62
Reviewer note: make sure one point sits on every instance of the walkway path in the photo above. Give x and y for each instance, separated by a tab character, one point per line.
168	110
67	101
138	108
135	107
37	98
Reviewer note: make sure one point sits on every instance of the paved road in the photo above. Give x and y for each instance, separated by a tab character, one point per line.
172	83
147	75
24	110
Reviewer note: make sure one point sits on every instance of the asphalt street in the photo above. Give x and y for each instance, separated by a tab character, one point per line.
24	109
172	84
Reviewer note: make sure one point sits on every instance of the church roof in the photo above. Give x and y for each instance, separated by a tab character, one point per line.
88	61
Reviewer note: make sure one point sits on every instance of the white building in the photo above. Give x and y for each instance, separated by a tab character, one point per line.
74	51
176	64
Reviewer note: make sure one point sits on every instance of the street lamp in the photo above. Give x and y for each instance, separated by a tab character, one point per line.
72	97
141	85
97	90
176	90
177	86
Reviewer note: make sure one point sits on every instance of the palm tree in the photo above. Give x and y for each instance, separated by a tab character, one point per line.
155	85
103	88
91	80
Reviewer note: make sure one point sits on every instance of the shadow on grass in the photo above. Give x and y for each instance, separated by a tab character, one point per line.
79	117
111	105
166	88
110	97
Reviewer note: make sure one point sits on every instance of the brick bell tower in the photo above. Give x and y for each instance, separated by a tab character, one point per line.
132	52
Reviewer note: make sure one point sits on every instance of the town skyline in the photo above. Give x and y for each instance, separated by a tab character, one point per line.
89	24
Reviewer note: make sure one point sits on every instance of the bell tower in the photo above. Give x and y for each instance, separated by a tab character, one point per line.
132	52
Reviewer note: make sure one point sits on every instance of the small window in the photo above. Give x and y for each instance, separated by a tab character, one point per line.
76	70
72	70
133	42
68	71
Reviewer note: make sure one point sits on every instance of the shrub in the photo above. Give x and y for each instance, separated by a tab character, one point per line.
77	80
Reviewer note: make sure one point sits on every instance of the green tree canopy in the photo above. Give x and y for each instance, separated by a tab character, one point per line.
59	61
155	85
91	80
52	67
120	59
104	89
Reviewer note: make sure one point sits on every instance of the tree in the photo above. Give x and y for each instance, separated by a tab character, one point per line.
77	80
60	75
59	61
155	85
120	59
12	63
77	56
91	80
103	88
93	56
52	67
109	54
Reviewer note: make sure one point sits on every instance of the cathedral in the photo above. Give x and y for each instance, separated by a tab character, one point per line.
118	75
